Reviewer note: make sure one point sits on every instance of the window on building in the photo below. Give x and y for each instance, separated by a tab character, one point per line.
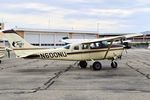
35	44
47	44
60	44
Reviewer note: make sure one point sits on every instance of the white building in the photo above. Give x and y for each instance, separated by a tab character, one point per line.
50	38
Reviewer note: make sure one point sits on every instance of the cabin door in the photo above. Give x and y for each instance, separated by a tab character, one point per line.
85	51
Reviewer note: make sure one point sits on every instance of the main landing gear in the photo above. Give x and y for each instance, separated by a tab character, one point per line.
97	65
83	64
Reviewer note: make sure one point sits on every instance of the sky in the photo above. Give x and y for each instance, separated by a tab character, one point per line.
104	16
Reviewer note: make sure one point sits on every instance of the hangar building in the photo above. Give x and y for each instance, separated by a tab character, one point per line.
142	39
50	38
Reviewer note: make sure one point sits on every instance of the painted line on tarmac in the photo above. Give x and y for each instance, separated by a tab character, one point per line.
45	85
137	70
3	68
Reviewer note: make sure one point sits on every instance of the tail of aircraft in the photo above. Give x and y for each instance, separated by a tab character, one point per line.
16	41
21	47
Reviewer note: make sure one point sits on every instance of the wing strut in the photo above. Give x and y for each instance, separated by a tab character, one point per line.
108	49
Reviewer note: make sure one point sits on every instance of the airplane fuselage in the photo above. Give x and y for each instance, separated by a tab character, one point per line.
97	54
88	50
78	55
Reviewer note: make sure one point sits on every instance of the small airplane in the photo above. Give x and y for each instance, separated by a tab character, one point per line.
88	50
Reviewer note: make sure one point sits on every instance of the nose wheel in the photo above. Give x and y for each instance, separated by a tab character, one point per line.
114	64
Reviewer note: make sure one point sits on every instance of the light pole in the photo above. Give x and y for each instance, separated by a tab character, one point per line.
98	24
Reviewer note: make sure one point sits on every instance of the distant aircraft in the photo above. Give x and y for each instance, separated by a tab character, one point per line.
88	50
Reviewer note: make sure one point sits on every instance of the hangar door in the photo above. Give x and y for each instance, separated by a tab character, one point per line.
58	39
90	36
84	36
32	38
47	40
78	36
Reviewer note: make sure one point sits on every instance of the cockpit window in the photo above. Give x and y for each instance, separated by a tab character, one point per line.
67	47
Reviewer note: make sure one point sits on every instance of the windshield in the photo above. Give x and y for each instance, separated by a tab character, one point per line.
67	46
105	43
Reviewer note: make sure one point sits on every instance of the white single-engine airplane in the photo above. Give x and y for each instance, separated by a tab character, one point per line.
92	50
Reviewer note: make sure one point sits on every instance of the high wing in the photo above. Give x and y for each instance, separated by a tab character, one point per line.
86	41
74	41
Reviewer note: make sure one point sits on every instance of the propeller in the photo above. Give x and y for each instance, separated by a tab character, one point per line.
125	45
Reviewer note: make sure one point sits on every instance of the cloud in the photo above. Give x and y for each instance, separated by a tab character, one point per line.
110	12
29	5
107	13
83	1
45	8
59	22
143	2
110	18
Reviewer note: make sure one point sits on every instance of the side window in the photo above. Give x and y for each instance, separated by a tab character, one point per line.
76	48
67	47
104	43
98	45
94	46
85	46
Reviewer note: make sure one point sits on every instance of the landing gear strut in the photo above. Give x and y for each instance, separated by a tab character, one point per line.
114	64
83	64
97	66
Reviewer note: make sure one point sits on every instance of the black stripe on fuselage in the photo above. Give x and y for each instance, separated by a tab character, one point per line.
93	51
30	48
2	50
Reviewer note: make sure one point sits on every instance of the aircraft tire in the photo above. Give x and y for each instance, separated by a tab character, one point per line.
83	64
0	61
97	66
114	64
